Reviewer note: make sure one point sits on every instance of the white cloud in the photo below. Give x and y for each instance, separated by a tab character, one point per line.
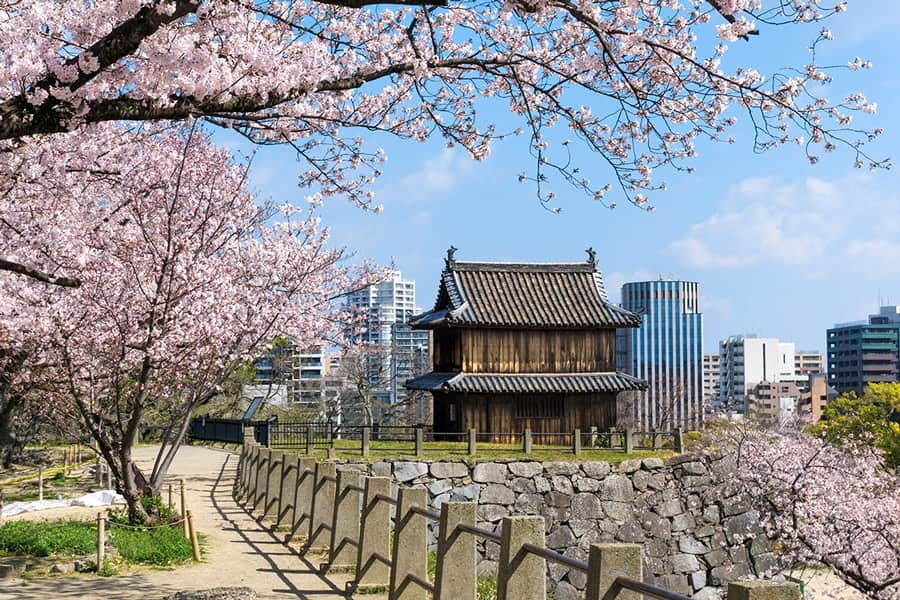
875	257
769	221
436	177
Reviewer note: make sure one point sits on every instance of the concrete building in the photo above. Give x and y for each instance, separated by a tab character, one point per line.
814	398
808	363
386	308
747	361
864	352
666	351
711	373
773	402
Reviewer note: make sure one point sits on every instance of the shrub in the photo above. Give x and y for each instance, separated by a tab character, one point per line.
29	538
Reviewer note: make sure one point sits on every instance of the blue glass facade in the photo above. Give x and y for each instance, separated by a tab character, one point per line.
666	351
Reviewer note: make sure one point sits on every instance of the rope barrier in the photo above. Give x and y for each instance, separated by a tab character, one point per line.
124	526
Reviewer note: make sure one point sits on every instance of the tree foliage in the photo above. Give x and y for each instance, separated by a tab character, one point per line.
869	420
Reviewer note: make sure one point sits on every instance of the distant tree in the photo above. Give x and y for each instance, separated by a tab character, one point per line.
872	419
365	372
819	504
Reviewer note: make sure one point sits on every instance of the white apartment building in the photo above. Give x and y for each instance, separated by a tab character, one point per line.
746	361
711	374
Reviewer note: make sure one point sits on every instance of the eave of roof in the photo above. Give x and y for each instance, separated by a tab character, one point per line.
513	383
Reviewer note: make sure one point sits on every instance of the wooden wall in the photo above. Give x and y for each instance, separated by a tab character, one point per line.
503	413
524	350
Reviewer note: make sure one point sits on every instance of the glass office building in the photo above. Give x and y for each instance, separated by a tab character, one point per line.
666	351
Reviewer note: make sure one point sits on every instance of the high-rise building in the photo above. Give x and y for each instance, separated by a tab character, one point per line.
711	375
865	352
386	308
747	361
666	351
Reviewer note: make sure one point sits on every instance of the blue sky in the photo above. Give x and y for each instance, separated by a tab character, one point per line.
780	247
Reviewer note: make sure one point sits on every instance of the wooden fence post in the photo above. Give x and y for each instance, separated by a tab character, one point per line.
101	540
374	536
576	442
40	483
410	557
679	440
195	547
520	574
322	507
608	561
310	440
420	442
763	590
184	523
345	522
526	441
366	440
455	572
303	496
473	441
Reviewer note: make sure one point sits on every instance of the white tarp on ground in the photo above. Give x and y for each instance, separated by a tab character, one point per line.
98	498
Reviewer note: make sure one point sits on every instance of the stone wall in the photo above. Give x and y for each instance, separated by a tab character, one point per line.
695	540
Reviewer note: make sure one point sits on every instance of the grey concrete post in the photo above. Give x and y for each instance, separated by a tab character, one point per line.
262	474
303	496
345	522
613	437
455	572
608	561
657	440
366	440
629	440
319	538
410	555
593	436
252	468
521	575
526	441
420	441
375	535
763	590
679	440
473	441
576	442
287	492
273	485
310	441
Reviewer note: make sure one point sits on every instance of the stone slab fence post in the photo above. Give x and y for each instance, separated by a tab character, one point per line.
287	492
303	495
250	480
325	478
366	440
629	440
262	472
273	485
310	440
375	535
455	572
679	440
526	441
420	442
473	441
576	442
521	575
608	561
410	556
345	522
763	590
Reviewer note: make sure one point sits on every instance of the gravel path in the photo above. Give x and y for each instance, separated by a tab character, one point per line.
240	551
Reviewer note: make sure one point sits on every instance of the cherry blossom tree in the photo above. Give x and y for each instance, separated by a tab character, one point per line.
181	278
819	504
637	82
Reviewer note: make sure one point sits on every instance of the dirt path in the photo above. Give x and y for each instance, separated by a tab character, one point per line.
240	551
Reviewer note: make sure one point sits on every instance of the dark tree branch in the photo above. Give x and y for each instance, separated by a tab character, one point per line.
14	267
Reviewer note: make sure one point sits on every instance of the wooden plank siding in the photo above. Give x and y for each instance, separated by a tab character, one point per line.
487	350
505	413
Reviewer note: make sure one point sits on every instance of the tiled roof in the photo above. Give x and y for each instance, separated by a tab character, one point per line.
531	295
526	382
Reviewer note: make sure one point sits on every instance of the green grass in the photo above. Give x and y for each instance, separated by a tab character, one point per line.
380	450
30	538
485	585
159	546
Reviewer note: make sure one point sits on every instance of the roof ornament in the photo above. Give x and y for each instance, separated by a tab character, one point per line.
451	253
592	257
